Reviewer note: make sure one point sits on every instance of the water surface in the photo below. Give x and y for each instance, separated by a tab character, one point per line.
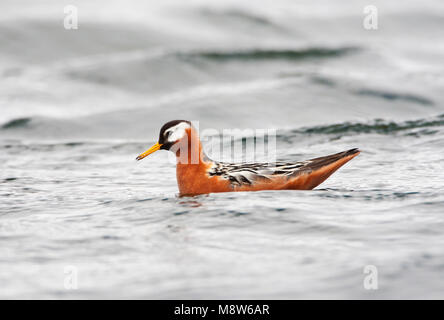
76	107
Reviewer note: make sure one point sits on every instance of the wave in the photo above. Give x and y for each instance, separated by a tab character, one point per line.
275	54
373	93
387	95
16	123
99	127
239	15
379	126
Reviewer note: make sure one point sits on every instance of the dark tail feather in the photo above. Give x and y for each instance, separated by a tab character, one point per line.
319	169
320	162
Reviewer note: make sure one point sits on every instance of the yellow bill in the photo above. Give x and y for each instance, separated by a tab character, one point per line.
149	151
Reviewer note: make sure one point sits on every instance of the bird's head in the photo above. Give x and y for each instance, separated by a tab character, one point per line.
173	135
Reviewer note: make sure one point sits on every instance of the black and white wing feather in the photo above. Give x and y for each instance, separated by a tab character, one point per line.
249	173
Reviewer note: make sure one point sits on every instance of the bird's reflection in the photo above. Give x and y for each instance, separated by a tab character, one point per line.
191	201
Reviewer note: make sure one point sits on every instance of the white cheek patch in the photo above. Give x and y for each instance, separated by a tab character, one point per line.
177	132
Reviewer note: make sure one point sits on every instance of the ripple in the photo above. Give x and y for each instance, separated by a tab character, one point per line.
16	123
387	95
377	126
275	54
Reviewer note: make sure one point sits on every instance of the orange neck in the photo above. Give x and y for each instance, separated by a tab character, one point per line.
192	163
189	151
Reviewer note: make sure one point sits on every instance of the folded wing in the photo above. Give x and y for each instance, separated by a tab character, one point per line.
298	175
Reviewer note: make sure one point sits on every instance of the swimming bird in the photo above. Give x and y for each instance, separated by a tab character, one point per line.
197	174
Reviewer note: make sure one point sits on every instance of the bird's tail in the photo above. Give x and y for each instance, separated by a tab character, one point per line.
318	169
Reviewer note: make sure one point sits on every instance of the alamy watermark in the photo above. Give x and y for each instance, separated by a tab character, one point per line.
71	20
234	145
370	21
71	278
371	279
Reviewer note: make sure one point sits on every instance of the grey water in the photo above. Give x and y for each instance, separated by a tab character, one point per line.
77	107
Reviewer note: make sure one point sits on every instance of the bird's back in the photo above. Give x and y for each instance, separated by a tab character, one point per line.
302	175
